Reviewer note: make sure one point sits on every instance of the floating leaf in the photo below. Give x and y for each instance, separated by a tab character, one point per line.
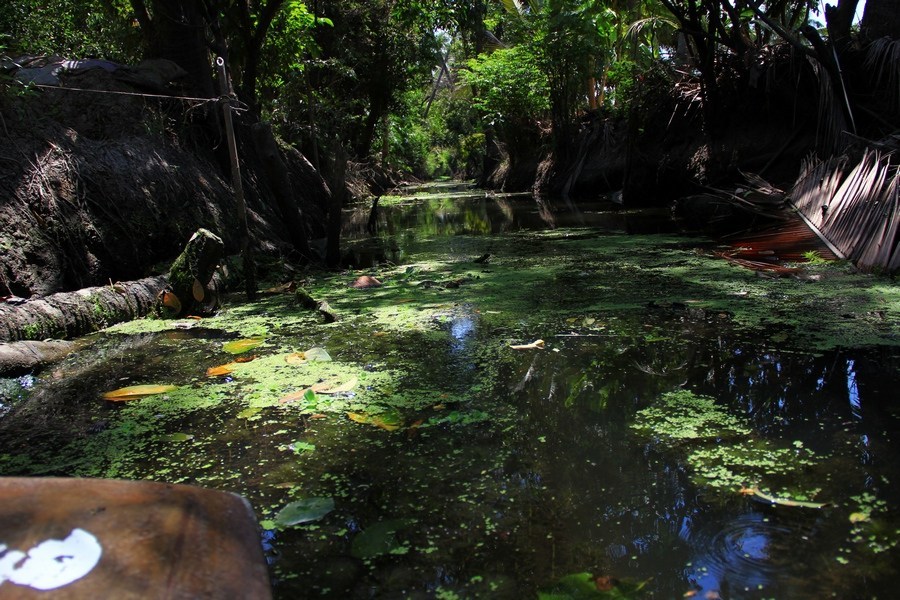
295	358
759	495
307	394
535	345
134	392
244	345
220	370
377	539
178	437
245	359
317	355
358	418
859	517
302	447
304	511
249	413
311	355
389	420
340	389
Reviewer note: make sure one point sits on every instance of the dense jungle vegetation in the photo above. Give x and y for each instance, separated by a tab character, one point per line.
647	100
440	88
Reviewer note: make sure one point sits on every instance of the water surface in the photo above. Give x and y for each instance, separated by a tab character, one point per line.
510	471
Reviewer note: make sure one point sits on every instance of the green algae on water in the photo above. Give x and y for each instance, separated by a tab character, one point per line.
683	415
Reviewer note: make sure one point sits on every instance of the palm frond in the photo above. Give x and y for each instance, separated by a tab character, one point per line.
831	123
855	207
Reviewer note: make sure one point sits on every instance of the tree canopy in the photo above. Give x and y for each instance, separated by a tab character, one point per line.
376	74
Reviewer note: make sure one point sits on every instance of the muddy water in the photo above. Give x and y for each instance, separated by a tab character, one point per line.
502	473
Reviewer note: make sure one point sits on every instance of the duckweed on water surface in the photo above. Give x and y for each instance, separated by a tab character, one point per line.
471	469
721	451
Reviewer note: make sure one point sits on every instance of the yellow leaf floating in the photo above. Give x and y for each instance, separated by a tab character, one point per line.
294	396
220	370
134	392
535	345
314	354
388	421
295	358
760	495
241	346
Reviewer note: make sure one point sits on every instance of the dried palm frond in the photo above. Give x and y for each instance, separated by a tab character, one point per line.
831	123
856	207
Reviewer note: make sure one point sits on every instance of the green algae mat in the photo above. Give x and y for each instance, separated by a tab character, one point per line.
558	413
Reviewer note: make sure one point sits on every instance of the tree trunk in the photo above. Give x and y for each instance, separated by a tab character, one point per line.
179	35
277	177
18	358
71	314
881	18
337	183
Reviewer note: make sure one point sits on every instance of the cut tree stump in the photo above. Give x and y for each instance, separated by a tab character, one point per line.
100	538
191	277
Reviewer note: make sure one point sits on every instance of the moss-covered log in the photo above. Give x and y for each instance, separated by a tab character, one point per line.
70	314
191	275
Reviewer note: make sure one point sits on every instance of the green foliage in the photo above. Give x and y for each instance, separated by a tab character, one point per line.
88	28
304	511
584	586
508	85
289	40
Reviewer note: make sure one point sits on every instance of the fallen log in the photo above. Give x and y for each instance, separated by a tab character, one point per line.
18	358
71	314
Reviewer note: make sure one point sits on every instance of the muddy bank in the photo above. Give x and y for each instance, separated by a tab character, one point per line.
108	185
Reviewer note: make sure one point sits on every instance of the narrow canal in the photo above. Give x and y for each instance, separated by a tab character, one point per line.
539	400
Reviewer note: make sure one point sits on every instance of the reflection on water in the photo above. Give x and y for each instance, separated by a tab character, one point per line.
477	212
546	479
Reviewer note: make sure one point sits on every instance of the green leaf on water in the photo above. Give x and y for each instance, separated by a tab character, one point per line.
380	538
178	437
389	420
304	511
584	586
302	447
249	413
